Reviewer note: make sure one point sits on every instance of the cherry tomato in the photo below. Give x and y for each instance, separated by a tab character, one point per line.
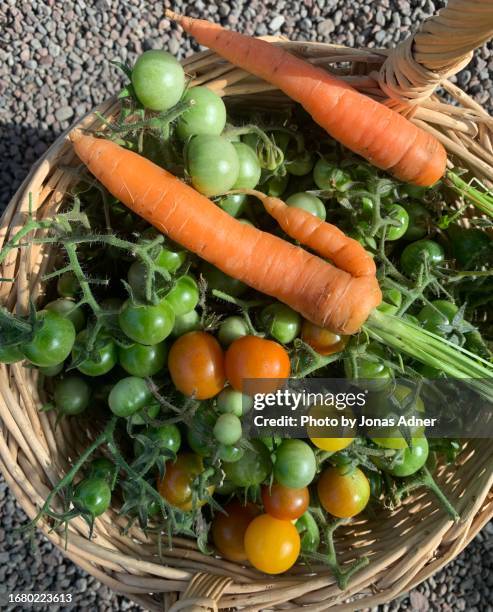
216	279
102	468
285	503
150	410
158	80
93	495
309	532
329	438
327	176
10	354
231	329
51	371
72	395
169	259
212	164
228	529
300	165
168	438
230	453
199	434
53	340
68	285
128	396
254	467
147	324
234	402
233	204
251	357
176	486
295	464
399	215
227	429
249	170
438	316
341	493
276	186
419	221
68	309
471	246
309	202
271	545
322	340
206	116
412	459
196	365
186	323
143	360
184	295
281	322
105	354
416	253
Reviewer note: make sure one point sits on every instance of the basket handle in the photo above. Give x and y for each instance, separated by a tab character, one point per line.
441	47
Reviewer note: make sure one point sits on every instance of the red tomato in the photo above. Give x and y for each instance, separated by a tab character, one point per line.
228	530
176	486
322	340
285	503
343	494
251	357
196	365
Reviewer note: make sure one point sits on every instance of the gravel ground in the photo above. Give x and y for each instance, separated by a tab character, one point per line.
54	66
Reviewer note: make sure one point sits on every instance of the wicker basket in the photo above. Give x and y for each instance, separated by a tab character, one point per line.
404	546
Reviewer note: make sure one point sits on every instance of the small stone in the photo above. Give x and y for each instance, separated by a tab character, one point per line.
276	23
64	113
326	27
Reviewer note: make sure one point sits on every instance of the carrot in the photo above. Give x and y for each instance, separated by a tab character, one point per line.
322	293
324	238
370	129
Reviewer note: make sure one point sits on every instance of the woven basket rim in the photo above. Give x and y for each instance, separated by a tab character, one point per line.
31	462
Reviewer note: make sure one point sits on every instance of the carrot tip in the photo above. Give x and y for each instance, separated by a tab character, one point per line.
75	135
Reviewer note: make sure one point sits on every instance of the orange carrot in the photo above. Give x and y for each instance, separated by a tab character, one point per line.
324	238
322	293
370	129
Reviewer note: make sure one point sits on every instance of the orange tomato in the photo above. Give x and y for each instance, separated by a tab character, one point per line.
271	545
343	494
196	365
251	357
176	486
285	503
228	530
322	340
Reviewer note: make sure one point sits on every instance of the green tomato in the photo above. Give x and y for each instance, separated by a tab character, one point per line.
206	116
10	354
301	164
470	247
184	295
308	202
102	468
128	396
281	322
105	350
72	395
399	215
52	342
438	315
171	259
199	437
416	253
253	469
309	532
68	285
230	454
375	374
93	495
227	429
150	411
419	221
328	177
249	167
158	80
234	402
147	324
231	329
276	186
167	259
186	323
295	465
68	309
233	204
168	438
143	360
413	459
216	279
212	163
